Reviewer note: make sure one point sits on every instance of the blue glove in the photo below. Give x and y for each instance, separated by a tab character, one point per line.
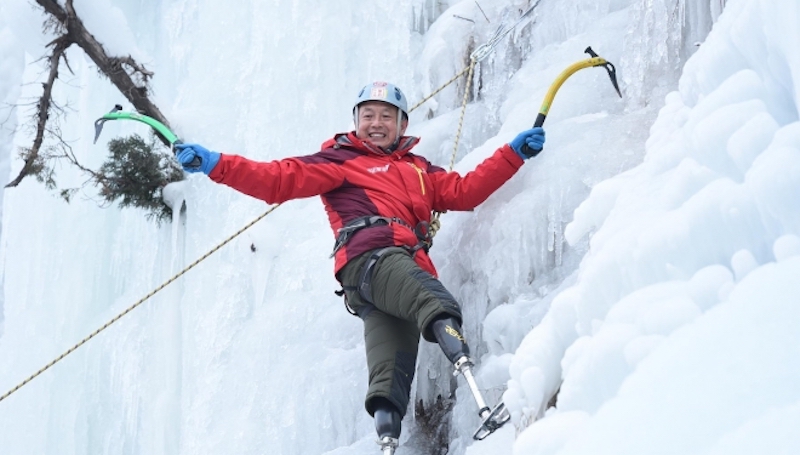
186	154
533	138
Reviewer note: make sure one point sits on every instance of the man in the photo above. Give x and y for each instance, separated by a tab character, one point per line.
379	197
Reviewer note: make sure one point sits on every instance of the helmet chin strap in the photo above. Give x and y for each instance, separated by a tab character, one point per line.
396	142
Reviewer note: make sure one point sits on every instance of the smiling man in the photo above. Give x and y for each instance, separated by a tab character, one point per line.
379	197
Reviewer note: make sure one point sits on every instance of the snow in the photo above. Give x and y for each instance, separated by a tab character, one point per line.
643	266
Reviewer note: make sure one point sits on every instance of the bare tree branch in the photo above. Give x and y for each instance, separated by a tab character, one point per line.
110	66
138	70
130	78
43	109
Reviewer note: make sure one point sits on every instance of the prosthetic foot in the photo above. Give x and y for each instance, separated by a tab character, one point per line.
448	334
491	419
387	424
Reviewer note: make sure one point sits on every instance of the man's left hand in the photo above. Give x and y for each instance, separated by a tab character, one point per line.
533	138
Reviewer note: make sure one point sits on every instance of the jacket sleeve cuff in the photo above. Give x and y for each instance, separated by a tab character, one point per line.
217	173
512	156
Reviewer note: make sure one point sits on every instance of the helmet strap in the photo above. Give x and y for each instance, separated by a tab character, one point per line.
399	124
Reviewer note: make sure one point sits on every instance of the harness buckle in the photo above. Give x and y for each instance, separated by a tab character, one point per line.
346	232
424	234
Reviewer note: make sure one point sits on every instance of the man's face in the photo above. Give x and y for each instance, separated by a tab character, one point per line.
377	122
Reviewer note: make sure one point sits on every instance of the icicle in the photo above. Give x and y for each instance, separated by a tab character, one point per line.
558	225
716	8
555	235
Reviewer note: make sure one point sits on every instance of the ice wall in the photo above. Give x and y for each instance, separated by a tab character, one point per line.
507	261
252	351
661	36
687	244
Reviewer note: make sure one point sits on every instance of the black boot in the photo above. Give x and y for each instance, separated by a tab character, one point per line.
448	334
387	424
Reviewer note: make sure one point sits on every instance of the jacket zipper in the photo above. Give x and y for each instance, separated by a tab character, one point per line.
421	180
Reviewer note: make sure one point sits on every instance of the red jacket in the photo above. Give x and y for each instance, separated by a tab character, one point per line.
355	179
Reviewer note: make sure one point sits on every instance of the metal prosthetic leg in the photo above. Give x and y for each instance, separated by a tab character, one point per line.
448	334
388	445
387	424
492	419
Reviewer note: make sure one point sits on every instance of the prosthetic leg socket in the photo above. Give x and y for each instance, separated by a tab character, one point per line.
447	332
388	425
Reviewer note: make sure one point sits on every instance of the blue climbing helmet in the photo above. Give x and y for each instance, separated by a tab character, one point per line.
382	91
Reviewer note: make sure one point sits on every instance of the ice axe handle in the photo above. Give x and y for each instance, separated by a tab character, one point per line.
196	162
539	120
527	150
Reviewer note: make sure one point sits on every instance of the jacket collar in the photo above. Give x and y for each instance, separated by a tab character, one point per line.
350	140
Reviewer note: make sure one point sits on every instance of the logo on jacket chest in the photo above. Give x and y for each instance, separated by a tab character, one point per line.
377	169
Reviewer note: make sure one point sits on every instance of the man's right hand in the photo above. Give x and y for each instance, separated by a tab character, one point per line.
186	154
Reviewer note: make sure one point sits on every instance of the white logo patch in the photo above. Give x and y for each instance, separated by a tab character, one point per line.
375	170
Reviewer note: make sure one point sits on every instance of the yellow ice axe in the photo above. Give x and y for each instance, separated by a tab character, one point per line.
595	60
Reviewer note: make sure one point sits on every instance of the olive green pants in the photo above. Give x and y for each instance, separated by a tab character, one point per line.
404	300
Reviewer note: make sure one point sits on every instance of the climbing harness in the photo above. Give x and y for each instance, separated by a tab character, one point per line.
364	287
345	233
365	280
424	230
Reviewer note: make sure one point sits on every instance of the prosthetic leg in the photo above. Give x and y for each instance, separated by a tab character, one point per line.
387	424
447	331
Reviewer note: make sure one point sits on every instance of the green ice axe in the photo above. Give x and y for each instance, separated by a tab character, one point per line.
118	114
595	60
